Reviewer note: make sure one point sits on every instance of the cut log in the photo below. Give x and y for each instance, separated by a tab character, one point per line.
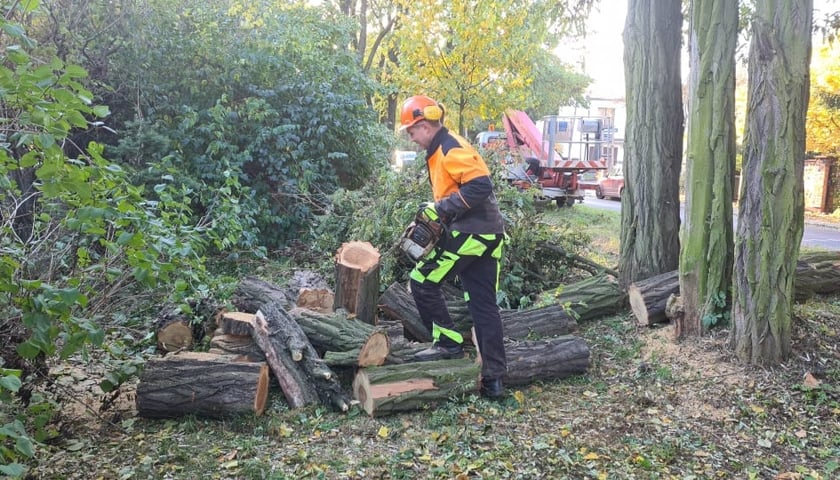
817	272
649	296
303	376
174	331
316	299
224	344
410	386
253	292
549	359
339	338
548	321
357	280
202	384
593	297
236	323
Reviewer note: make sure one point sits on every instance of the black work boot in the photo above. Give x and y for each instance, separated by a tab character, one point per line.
439	352
492	388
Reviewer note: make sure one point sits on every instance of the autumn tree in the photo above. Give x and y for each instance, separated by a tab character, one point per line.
771	210
824	109
650	206
706	237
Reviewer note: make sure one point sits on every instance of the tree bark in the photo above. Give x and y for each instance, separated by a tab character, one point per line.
202	384
357	280
771	209
650	206
303	376
706	254
223	344
410	386
817	273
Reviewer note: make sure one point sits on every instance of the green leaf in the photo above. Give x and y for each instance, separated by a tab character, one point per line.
12	470
10	382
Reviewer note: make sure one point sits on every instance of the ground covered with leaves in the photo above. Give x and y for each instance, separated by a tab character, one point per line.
647	408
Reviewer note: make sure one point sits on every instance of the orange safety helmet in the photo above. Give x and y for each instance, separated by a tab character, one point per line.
419	107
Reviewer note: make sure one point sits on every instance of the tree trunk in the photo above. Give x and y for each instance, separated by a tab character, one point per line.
302	374
706	240
649	296
410	386
202	384
771	210
650	206
357	280
549	359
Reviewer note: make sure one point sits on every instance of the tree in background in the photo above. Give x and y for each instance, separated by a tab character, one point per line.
650	206
771	209
824	110
706	237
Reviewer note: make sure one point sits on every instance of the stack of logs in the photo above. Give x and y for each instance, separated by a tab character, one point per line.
335	349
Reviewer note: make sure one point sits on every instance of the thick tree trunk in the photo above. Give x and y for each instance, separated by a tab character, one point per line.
357	280
771	210
549	359
650	206
302	374
706	254
410	386
201	384
649	296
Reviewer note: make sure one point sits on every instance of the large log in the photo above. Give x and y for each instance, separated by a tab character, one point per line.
548	321
303	376
816	272
649	296
548	359
253	292
343	338
410	386
357	267
202	384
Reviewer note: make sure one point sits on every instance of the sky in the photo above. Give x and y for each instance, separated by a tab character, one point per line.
600	55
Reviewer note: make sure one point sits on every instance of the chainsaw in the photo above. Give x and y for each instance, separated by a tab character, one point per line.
421	236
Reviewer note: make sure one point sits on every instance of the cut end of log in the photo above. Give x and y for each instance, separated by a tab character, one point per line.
637	305
174	337
237	323
358	255
361	387
261	397
375	350
371	396
316	299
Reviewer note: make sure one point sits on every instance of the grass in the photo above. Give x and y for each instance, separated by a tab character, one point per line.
647	408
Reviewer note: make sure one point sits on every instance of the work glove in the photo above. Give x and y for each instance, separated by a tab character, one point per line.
429	211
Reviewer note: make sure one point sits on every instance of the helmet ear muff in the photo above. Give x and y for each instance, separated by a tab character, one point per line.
433	113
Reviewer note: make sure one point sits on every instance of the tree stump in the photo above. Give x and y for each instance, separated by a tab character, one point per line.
410	386
649	296
357	280
303	376
202	384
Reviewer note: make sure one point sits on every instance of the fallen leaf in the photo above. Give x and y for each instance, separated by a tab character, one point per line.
519	396
788	476
383	432
756	409
810	381
228	456
591	456
801	433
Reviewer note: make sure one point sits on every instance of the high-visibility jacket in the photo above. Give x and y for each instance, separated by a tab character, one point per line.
461	185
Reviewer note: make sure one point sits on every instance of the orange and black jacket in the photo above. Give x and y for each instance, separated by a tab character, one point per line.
461	185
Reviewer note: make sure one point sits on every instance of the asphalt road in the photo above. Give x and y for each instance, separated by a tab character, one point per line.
815	235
